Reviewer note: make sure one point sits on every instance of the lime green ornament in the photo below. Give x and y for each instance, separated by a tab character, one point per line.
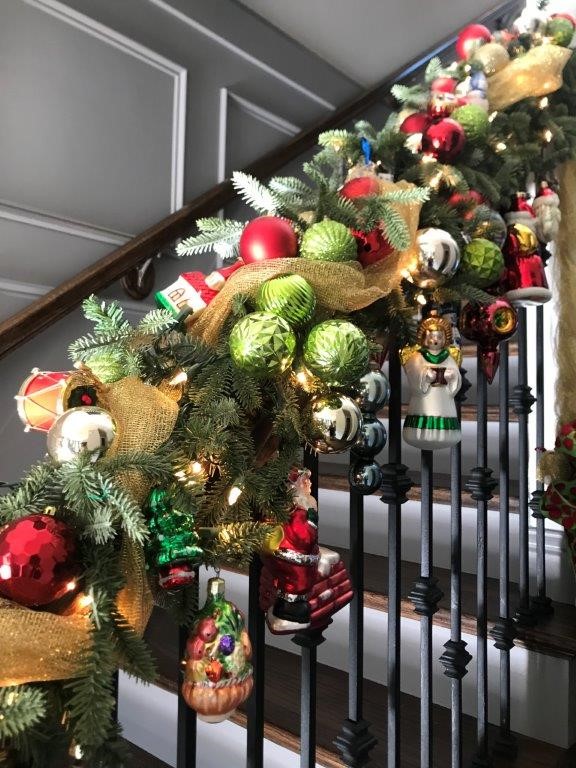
337	352
474	120
328	241
561	31
482	262
262	344
289	296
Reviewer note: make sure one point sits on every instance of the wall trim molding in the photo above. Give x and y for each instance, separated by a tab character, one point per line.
233	48
42	219
148	56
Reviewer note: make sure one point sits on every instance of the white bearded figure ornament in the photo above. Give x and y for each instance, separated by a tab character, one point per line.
432	367
547	209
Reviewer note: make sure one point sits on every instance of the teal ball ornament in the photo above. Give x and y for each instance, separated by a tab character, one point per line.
262	344
289	296
337	352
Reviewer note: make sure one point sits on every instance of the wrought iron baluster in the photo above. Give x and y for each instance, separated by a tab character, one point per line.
522	402
456	658
395	486
481	484
308	640
541	603
255	704
186	723
504	630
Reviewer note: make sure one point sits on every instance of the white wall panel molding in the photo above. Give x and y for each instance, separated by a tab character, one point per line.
238	51
146	55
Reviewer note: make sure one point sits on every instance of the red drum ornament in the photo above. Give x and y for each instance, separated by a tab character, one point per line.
488	325
268	237
471	38
38	562
41	399
444	140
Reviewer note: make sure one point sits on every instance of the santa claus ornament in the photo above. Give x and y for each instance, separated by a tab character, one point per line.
302	584
524	281
521	212
432	367
546	208
193	291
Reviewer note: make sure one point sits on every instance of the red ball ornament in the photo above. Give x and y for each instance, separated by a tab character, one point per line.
466	202
362	186
372	246
268	237
38	560
471	38
444	140
444	85
488	325
415	123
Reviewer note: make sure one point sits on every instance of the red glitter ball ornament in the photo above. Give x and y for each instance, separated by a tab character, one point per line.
268	237
444	140
361	186
415	123
38	560
471	38
372	246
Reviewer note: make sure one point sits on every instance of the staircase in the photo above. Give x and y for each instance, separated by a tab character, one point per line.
543	660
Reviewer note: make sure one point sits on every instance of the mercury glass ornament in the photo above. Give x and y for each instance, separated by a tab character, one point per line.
337	352
372	437
438	258
262	344
337	421
81	430
365	477
374	391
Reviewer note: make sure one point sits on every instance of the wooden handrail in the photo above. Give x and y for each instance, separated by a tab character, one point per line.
57	303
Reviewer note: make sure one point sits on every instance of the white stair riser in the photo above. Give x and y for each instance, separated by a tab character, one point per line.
535	677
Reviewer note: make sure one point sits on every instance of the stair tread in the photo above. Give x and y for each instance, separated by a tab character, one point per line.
441	495
282	712
468	413
555	634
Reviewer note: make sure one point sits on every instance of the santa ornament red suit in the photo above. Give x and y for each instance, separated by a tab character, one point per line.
302	584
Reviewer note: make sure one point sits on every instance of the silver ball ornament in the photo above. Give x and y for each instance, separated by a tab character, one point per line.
336	423
87	429
372	437
374	391
438	258
365	477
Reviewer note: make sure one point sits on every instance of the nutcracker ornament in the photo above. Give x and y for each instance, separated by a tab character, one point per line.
524	279
547	212
302	584
432	368
217	668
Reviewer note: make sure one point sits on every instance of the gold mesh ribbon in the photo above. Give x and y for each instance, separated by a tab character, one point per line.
40	646
535	73
342	287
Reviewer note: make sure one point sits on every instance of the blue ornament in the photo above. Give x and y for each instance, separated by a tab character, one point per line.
366	150
479	82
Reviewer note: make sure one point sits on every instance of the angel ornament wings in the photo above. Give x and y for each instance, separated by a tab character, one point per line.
432	367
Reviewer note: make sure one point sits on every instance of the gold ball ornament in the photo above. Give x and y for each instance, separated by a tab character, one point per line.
493	57
81	430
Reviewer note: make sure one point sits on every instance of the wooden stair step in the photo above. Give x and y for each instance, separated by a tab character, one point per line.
441	494
282	710
553	635
468	413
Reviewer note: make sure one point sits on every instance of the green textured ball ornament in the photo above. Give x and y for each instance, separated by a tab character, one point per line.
561	31
474	120
337	352
482	262
289	296
328	241
262	344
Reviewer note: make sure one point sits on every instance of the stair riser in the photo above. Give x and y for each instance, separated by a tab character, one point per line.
334	531
535	677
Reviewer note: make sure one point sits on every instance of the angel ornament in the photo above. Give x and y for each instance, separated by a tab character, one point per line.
432	367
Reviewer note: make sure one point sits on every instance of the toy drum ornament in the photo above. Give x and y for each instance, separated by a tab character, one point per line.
40	399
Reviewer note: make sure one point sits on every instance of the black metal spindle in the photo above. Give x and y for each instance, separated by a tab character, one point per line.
522	401
395	486
481	484
541	603
504	631
456	658
186	723
255	704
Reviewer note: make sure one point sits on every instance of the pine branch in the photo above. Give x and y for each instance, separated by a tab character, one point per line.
134	654
38	490
254	193
155	322
21	708
227	231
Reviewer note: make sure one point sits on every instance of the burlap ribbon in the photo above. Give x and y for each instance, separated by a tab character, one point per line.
38	645
341	287
536	73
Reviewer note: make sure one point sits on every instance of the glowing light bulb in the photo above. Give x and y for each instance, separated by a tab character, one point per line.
548	135
543	103
492	117
501	147
196	468
85	601
71	586
421	299
180	378
234	494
